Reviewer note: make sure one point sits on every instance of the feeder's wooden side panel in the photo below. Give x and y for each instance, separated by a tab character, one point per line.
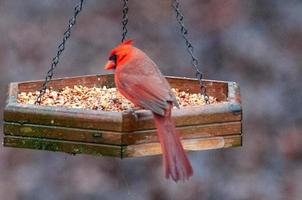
185	132
62	146
116	138
190	116
234	93
115	121
214	88
62	133
117	151
89	81
218	89
197	144
12	93
57	116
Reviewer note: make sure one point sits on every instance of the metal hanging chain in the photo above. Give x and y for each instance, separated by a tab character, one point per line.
190	49
125	19
61	48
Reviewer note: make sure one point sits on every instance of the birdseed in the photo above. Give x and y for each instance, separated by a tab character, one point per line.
100	98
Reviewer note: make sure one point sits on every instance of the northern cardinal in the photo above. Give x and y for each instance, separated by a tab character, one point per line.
139	80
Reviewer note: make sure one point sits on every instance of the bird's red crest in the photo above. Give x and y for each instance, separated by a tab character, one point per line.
125	46
128	42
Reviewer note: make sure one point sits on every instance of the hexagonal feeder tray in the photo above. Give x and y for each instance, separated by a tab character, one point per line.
120	134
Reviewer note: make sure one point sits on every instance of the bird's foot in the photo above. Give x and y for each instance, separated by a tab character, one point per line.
133	113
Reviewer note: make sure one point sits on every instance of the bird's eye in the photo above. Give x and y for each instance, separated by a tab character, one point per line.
113	57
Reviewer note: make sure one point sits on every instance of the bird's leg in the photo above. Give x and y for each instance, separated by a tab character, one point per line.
132	112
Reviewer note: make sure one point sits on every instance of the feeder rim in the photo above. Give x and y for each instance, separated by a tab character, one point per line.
12	103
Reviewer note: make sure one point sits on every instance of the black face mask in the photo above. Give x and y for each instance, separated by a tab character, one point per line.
113	58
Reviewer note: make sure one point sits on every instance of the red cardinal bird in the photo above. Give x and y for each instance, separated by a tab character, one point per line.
139	80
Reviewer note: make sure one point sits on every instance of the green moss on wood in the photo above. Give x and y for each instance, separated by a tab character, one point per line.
63	146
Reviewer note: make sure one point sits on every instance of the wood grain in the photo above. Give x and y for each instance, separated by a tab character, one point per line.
117	138
196	144
67	117
62	146
58	83
217	113
218	89
185	132
114	150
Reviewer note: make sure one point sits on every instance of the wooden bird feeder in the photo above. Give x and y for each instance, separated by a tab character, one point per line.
120	134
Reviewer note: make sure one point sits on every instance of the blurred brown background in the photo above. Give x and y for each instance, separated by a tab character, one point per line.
257	43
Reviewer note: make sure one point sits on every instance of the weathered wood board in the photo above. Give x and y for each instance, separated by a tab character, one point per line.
119	133
138	150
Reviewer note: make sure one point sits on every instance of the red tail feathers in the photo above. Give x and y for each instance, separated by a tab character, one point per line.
176	162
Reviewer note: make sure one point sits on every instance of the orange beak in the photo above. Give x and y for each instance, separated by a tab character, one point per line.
109	65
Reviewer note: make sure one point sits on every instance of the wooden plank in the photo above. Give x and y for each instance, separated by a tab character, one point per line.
58	83
218	89
62	133
12	93
196	144
233	93
116	138
117	151
215	88
118	121
62	116
185	132
187	116
62	146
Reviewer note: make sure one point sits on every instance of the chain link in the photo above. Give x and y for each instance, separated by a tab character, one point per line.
61	48
125	19
190	48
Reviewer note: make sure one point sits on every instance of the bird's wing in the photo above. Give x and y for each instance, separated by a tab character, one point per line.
144	85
